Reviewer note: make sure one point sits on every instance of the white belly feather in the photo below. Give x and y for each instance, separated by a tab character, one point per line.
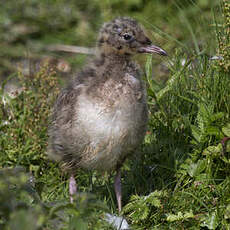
107	128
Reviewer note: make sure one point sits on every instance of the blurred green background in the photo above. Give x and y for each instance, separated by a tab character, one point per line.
180	179
29	27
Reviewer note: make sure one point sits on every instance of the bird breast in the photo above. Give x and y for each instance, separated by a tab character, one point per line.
114	125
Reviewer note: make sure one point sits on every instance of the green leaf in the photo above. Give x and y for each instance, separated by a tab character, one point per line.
153	85
227	212
196	168
172	82
213	150
179	216
196	133
211	221
77	223
226	130
212	130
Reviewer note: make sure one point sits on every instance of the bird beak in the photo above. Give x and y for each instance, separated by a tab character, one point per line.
152	49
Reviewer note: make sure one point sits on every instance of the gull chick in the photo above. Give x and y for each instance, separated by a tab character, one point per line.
100	118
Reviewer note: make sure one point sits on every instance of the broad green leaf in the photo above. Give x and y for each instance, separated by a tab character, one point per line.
226	130
196	133
213	150
211	221
179	216
196	168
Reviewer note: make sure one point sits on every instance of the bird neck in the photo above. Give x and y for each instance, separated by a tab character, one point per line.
113	57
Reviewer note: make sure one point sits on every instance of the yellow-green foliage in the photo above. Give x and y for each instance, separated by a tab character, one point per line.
28	180
181	179
25	119
224	38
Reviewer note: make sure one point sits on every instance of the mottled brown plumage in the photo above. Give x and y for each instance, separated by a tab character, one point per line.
101	117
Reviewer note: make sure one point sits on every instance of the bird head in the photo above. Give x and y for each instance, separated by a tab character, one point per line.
124	36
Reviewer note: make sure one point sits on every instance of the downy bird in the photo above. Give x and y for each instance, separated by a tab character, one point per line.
100	118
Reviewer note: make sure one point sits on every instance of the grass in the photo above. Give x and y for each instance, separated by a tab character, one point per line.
179	181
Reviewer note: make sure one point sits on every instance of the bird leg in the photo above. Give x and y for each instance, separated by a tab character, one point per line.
117	187
72	187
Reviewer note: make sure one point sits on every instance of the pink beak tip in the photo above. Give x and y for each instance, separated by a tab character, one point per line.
153	49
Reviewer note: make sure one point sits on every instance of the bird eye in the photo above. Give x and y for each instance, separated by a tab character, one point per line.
127	36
